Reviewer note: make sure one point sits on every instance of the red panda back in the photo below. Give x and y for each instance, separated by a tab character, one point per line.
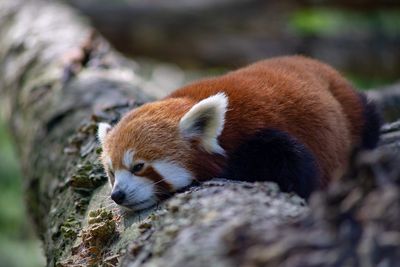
341	89
302	97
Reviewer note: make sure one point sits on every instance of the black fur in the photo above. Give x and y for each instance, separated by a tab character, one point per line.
372	124
273	155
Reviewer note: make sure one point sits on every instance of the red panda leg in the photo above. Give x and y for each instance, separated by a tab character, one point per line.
273	155
372	124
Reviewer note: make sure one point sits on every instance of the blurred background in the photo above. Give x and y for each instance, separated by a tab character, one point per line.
360	38
18	244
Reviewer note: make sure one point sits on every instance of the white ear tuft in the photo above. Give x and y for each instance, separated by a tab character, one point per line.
205	120
102	130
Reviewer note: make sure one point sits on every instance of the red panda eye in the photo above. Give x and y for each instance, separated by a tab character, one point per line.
137	167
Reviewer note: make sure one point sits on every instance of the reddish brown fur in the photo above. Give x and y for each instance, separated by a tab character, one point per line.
301	96
162	186
151	131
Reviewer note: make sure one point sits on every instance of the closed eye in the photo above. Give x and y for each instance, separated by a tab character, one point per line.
137	168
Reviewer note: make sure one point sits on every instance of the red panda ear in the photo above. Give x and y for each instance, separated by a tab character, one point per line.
102	130
205	121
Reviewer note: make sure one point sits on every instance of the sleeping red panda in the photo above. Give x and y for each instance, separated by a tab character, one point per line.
291	120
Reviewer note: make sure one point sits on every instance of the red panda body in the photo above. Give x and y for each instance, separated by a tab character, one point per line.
292	120
302	97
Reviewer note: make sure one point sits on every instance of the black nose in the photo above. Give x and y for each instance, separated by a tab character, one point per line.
118	196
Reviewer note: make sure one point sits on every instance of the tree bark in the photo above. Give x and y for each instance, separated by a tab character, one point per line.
58	80
387	100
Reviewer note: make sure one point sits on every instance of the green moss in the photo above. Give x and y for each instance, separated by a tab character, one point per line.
70	228
101	227
100	230
99	215
88	176
81	204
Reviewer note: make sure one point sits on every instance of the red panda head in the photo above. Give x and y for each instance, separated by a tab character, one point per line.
149	153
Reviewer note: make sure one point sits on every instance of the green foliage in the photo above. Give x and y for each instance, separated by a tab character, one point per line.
18	247
364	83
10	198
330	22
310	22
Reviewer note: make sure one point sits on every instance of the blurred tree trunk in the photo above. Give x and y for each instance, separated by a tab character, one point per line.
58	80
232	33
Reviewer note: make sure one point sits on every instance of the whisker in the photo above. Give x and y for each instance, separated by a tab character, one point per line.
152	184
109	205
162	180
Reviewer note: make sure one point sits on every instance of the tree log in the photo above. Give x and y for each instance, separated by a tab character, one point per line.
58	80
387	100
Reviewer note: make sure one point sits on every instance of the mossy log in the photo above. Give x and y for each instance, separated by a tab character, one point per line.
58	79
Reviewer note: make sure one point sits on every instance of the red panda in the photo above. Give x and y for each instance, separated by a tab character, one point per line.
291	120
